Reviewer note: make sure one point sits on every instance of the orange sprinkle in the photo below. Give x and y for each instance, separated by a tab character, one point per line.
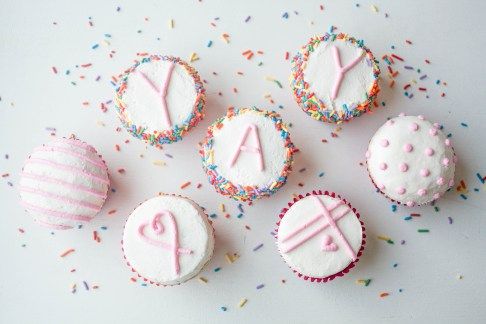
384	294
65	253
112	212
186	184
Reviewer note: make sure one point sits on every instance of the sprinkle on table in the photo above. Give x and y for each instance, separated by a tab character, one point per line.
193	57
423	230
67	252
242	302
202	279
185	184
386	239
364	282
260	286
384	294
258	247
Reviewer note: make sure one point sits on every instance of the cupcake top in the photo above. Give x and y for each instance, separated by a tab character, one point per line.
63	183
247	154
168	239
320	236
411	161
334	78
160	98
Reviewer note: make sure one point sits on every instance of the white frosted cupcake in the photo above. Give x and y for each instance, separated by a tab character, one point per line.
64	183
247	154
320	236
160	99
411	161
335	78
167	240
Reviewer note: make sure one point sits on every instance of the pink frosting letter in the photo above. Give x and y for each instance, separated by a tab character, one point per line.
250	149
341	71
162	92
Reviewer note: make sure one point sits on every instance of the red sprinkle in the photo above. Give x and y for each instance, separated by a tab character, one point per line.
287	55
122	171
397	57
423	89
54	69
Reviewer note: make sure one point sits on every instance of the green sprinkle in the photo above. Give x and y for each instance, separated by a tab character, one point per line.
423	230
217	269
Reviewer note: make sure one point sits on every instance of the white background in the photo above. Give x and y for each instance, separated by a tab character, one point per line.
35	282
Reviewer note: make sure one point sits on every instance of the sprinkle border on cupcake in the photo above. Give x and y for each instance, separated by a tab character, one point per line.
226	187
309	102
175	134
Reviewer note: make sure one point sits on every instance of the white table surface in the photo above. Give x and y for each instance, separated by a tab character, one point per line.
35	283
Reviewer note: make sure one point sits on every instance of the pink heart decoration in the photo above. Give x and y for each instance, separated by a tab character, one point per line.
328	245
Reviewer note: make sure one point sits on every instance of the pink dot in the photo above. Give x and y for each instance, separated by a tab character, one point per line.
410	203
408	147
451	182
429	151
447	142
401	190
422	192
433	132
383	166
403	167
424	172
384	142
437	195
445	162
414	127
440	181
367	154
421	117
381	186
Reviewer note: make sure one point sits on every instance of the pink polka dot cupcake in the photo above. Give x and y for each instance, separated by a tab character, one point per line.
320	236
411	161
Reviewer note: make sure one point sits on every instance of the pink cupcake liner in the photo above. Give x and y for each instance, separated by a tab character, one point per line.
135	270
361	249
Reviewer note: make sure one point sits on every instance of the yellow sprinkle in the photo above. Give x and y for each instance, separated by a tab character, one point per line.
222	208
242	302
269	78
231	258
374	8
210	158
203	280
171	23
384	238
107	43
193	57
159	163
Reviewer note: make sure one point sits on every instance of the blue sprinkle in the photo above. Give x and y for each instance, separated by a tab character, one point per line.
394	208
463	197
217	269
210	43
224	309
408	218
258	247
464	124
285	15
213	215
104	228
260	286
240	215
95	46
321	174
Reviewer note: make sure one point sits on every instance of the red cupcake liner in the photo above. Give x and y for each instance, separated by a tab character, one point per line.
360	251
149	280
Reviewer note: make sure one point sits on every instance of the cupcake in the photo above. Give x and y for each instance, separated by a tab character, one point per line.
334	78
159	99
247	154
320	236
64	183
411	161
167	240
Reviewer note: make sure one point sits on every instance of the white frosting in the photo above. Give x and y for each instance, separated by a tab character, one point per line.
40	188
398	133
246	170
320	72
309	258
143	104
154	262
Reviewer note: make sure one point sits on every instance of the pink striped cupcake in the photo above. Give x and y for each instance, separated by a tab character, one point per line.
64	183
320	236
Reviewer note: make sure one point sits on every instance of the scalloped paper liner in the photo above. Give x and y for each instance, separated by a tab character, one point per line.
158	284
360	251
